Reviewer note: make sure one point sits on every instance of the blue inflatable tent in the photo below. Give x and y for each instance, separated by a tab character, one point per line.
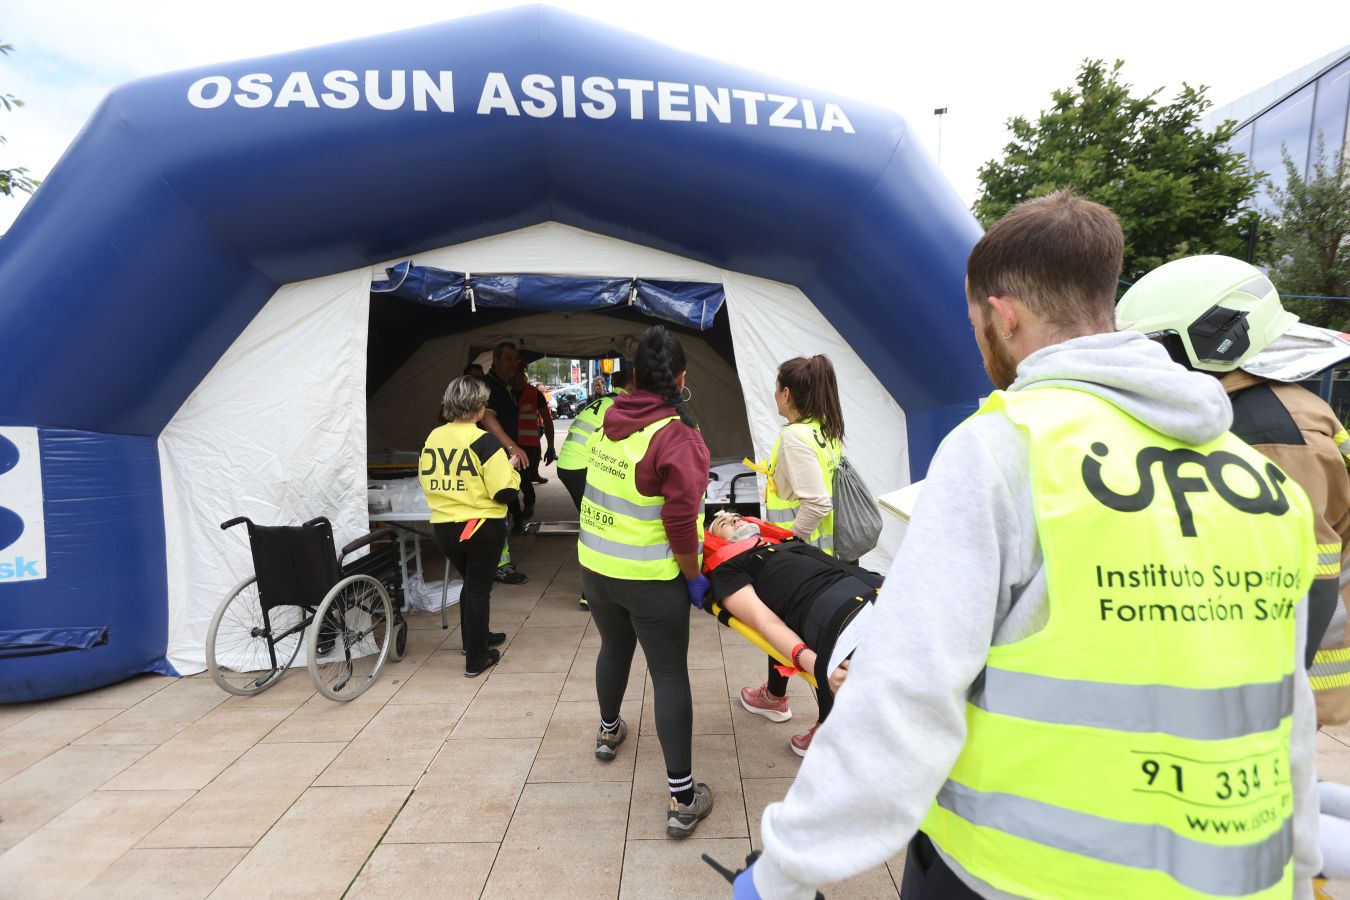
187	302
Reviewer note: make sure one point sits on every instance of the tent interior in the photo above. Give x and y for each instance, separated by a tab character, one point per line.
282	427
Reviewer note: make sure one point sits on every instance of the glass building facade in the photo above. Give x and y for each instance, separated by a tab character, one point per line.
1294	112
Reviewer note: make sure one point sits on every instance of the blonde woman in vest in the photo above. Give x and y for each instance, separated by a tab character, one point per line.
641	533
468	479
799	495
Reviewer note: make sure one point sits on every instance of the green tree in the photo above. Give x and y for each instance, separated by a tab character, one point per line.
1177	189
1310	238
16	179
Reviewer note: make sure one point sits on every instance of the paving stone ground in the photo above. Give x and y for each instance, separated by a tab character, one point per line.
428	785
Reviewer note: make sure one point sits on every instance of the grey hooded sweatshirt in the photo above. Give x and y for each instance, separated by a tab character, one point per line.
970	575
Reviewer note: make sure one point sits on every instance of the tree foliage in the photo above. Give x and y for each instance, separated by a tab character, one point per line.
1310	238
1177	189
16	179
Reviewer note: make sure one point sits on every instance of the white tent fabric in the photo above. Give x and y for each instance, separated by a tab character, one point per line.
403	410
276	432
277	429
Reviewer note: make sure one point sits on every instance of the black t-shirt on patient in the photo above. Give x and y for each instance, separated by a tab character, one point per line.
786	581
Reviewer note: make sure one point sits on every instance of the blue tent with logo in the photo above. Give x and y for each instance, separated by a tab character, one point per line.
190	327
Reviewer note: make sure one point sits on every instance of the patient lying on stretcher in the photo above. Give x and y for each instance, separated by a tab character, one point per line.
797	597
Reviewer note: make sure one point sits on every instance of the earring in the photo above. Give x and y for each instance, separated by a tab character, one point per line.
1007	335
686	395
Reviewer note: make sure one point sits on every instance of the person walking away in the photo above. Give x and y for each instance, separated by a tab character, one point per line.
467	478
1218	315
534	422
799	495
503	422
575	453
1054	696
641	531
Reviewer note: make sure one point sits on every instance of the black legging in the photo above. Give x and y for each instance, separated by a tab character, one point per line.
529	474
476	561
655	613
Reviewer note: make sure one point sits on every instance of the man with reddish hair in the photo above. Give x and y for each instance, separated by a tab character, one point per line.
1061	693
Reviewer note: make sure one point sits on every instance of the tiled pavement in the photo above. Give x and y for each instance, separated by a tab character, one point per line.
430	784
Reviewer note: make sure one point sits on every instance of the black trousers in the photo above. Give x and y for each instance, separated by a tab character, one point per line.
655	613
821	631
529	474
476	561
927	877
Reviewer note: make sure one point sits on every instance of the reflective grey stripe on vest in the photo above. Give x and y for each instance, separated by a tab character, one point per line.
1226	871
824	542
1197	713
1329	668
779	516
579	438
623	507
1329	559
650	553
583	425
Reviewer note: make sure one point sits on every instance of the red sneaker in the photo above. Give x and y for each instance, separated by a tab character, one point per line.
760	702
802	742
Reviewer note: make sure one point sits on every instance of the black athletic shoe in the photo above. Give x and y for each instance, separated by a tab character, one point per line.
495	639
474	669
540	479
508	574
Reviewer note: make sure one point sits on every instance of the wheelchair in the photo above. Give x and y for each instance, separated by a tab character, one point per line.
301	592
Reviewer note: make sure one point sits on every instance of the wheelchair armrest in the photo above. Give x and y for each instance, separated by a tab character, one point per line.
362	541
237	520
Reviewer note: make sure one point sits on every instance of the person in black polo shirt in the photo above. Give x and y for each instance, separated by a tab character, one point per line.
800	599
503	422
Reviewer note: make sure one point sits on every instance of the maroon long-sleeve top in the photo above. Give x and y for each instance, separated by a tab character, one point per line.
675	467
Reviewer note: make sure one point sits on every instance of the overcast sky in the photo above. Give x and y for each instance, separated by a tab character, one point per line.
985	62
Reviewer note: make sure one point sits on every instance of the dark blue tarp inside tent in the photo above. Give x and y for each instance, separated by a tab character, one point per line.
189	198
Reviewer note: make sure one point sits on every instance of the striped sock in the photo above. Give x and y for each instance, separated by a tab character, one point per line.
609	727
681	786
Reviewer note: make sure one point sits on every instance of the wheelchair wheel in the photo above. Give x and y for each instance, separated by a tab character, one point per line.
399	645
238	638
350	637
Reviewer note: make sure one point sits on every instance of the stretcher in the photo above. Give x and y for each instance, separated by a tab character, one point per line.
758	640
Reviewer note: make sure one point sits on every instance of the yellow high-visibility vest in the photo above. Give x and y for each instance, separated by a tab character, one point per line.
622	534
783	512
1138	745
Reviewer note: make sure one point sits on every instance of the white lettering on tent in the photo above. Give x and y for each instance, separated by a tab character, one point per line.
635	87
750	99
542	103
809	111
397	89
602	103
441	91
718	104
497	95
254	92
668	97
537	95
779	117
835	118
342	90
569	96
297	88
197	92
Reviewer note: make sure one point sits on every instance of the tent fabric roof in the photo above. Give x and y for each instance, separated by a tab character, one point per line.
189	198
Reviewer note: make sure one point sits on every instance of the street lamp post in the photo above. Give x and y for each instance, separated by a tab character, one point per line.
940	112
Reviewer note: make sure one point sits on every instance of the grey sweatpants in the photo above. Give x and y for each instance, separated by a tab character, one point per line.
655	613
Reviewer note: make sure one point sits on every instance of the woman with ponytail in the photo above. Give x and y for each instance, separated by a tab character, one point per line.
799	495
641	531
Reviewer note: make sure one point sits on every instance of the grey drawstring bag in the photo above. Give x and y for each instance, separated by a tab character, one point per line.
857	520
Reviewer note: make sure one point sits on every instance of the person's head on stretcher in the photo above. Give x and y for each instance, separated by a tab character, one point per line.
731	534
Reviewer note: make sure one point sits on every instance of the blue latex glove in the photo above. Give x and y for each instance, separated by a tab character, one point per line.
698	589
743	888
